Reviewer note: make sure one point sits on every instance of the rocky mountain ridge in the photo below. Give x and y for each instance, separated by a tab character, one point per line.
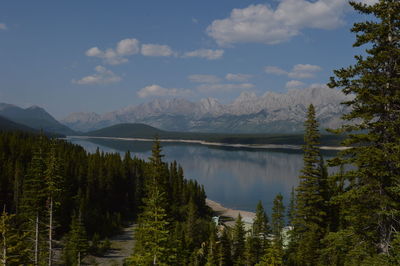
249	113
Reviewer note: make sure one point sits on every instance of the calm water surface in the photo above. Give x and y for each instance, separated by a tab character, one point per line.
236	178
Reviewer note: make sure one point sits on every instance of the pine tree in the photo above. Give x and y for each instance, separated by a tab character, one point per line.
278	214
238	242
212	254
273	254
291	207
53	182
372	198
225	255
13	243
152	232
76	245
34	199
258	241
311	210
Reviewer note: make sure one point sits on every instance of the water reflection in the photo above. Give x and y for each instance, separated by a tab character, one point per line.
235	178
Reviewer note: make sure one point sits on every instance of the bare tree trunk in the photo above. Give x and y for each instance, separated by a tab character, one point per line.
37	239
51	232
4	259
79	258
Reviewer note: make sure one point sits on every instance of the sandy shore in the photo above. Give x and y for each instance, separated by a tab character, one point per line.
231	214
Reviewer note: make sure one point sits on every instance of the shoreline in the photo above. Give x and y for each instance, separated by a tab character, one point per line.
231	214
208	143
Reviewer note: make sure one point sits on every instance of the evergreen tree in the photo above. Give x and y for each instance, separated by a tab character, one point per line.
273	254
291	207
278	215
191	226
13	249
212	254
53	182
76	245
225	255
152	232
258	241
238	242
372	198
311	209
34	200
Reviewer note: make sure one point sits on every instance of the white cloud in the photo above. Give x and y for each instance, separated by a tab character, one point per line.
263	24
367	2
294	84
118	55
237	77
127	47
205	53
207	88
275	70
101	77
3	26
198	78
300	71
156	50
158	91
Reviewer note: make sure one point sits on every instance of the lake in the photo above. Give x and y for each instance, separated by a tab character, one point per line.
235	177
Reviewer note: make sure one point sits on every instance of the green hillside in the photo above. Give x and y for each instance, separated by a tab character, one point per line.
8	125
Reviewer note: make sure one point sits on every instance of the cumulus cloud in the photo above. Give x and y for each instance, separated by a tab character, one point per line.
124	48
237	77
300	71
207	88
158	91
3	26
101	77
263	24
156	50
367	2
205	53
275	70
294	84
198	78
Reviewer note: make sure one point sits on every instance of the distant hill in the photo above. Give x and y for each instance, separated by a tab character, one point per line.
128	131
8	125
148	132
34	117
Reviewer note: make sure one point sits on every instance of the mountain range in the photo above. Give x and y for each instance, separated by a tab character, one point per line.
33	117
249	113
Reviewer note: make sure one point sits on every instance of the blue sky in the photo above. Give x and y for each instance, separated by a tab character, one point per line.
99	56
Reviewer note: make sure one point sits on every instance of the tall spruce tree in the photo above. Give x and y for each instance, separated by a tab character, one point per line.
372	196
258	241
53	189
76	246
13	248
152	233
225	251
238	242
34	200
273	253
310	215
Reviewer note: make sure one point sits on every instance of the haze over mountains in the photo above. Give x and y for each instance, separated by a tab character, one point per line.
249	113
33	117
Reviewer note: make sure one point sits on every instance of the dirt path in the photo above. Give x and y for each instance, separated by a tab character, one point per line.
121	248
